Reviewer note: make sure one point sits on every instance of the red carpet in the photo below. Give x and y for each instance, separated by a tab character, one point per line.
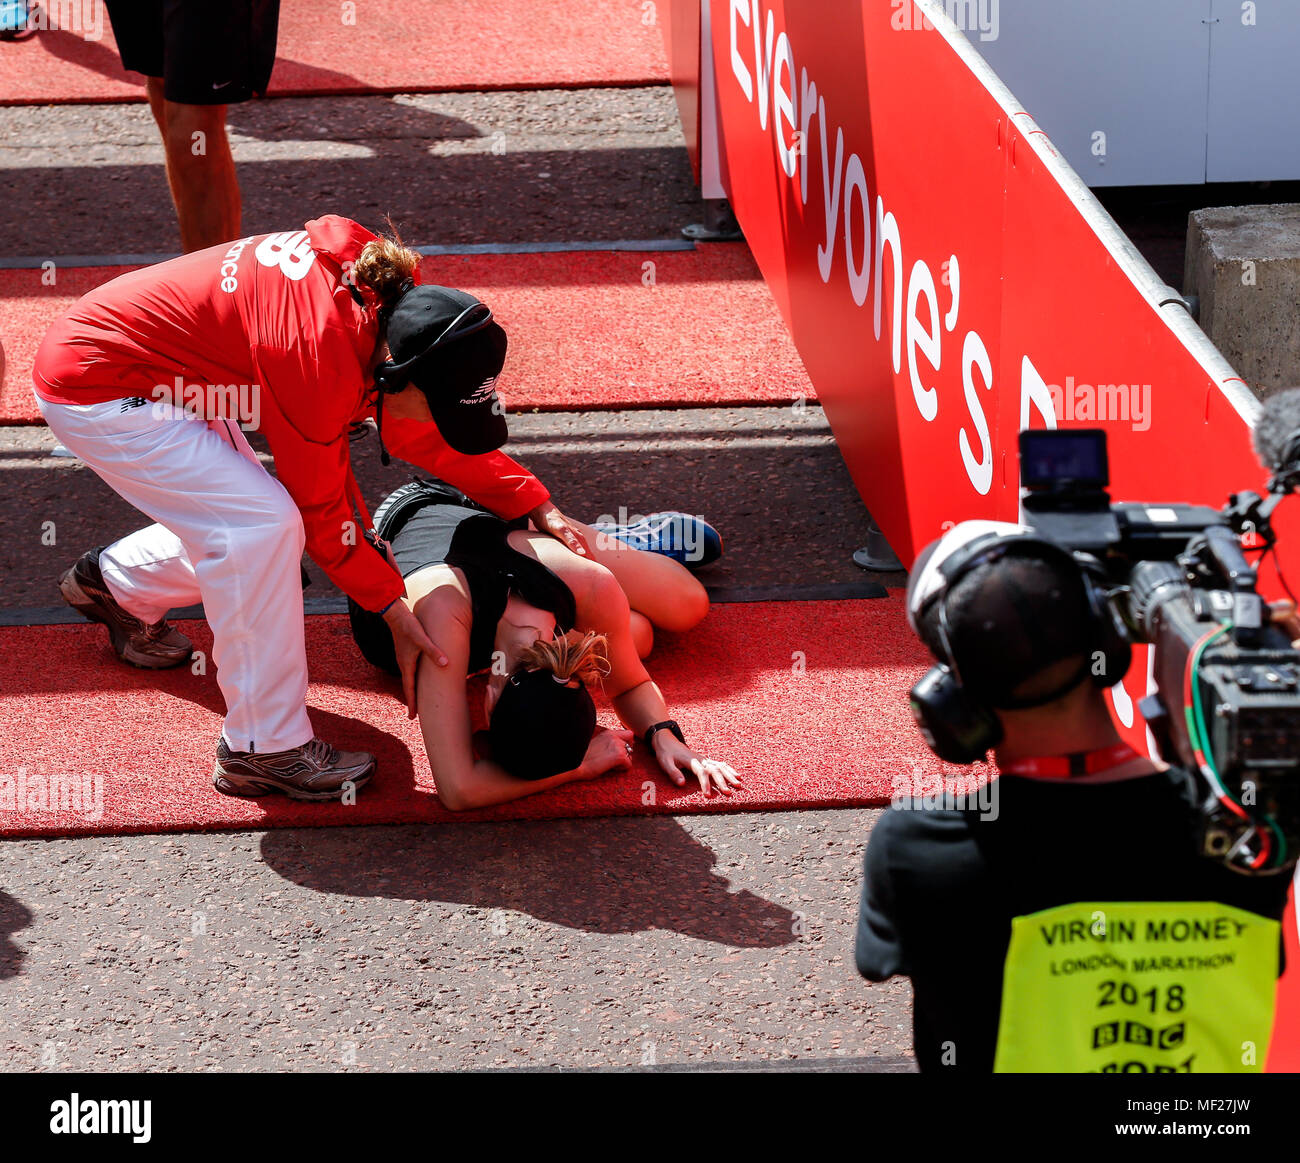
832	734
586	332
393	47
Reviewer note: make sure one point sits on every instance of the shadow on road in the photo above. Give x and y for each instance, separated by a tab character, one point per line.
624	875
14	915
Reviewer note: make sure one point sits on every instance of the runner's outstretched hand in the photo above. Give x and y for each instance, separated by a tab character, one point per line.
677	759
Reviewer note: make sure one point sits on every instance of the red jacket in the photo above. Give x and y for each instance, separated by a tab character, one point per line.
267	331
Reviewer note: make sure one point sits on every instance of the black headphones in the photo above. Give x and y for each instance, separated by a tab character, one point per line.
390	376
958	726
388	381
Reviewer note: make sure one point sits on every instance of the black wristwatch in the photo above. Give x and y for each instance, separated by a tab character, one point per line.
666	725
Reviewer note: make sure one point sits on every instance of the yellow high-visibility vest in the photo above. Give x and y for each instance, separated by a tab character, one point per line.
1138	987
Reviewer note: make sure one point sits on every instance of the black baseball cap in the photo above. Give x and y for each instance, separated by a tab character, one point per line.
540	725
446	343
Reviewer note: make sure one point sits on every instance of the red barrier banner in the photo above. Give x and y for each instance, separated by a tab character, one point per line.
946	276
949	280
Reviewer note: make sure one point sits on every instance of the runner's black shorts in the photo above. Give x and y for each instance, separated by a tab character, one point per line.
208	52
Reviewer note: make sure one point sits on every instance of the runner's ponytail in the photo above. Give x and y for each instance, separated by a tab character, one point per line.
584	660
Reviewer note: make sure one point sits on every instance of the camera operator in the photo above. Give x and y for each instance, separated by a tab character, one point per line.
1026	649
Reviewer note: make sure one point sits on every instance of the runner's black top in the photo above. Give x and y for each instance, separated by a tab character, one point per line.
941	888
430	523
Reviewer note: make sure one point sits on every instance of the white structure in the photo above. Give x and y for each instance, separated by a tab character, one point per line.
1152	92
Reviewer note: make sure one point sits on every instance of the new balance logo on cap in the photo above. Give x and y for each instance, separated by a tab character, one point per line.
482	393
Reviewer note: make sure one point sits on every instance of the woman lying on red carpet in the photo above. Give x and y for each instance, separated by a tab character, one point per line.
543	623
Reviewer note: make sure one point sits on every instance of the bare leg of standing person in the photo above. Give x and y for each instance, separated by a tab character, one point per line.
200	169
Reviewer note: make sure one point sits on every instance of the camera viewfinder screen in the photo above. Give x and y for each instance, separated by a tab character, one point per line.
1054	457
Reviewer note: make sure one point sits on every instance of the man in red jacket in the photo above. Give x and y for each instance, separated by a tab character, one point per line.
149	378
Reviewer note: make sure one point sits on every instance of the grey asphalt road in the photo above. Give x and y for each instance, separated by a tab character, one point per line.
550	166
621	943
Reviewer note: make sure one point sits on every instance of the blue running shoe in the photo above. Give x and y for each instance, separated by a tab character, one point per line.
692	541
15	20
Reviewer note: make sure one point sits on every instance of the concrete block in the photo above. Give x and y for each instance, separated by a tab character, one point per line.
1243	262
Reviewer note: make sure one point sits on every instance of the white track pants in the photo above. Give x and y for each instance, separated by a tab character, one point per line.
227	533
